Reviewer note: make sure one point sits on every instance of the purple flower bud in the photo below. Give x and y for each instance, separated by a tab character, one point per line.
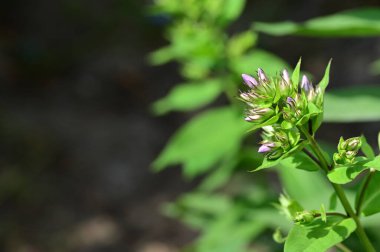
291	102
285	76
249	80
306	85
264	148
251	118
262	75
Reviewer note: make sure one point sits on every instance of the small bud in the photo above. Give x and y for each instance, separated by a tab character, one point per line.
275	154
251	118
249	80
285	76
306	85
262	75
353	144
304	217
264	149
291	102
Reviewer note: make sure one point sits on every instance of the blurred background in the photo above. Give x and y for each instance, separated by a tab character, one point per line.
78	135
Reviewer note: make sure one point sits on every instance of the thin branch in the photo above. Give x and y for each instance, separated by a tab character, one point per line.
332	214
311	155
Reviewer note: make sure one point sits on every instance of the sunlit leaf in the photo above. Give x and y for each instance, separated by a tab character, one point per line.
325	80
296	74
366	148
240	43
301	161
319	235
203	141
231	10
189	96
358	22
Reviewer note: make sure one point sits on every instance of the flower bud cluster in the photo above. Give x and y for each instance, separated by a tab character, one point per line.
305	216
282	104
277	141
347	150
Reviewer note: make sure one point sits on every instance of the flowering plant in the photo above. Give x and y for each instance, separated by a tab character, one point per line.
290	112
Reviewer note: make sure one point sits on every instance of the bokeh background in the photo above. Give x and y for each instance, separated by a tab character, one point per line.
77	133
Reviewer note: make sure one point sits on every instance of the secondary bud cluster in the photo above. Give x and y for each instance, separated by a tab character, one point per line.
277	141
347	150
282	104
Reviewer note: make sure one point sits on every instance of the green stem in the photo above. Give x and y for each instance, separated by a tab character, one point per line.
362	191
342	247
341	194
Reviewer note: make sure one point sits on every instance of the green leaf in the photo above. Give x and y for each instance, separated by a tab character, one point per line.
251	61
205	140
161	56
371	200
325	80
318	235
189	96
240	43
366	148
296	74
378	140
301	161
354	104
346	173
351	23
231	10
297	184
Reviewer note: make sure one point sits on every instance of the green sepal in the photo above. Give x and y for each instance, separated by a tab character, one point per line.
325	80
296	75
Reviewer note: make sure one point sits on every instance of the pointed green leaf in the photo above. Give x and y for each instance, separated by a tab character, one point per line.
318	235
301	161
325	80
296	74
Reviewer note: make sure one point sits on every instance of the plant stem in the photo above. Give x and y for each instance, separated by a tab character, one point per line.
341	194
342	247
362	191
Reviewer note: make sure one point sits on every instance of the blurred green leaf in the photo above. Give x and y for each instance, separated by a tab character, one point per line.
310	188
203	141
351	23
188	96
240	43
319	235
231	10
161	56
371	201
354	104
251	61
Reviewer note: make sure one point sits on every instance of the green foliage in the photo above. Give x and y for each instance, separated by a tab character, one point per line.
343	174
208	134
357	22
189	96
319	235
231	212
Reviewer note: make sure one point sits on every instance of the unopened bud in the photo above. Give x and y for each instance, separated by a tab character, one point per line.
285	76
262	75
249	80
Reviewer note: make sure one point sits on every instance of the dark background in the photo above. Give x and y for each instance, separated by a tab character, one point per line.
76	134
